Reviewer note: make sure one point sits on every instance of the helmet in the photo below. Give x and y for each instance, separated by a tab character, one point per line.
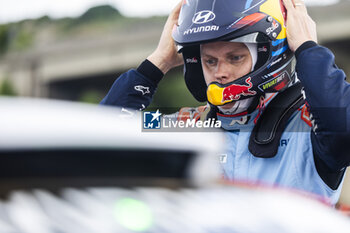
245	21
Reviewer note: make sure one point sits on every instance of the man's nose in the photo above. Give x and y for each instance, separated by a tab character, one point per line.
222	72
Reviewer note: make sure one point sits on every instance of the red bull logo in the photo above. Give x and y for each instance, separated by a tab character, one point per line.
235	91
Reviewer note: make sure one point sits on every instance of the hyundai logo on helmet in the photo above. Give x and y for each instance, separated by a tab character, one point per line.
203	17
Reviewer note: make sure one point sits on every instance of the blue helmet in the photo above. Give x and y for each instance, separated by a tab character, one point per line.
245	21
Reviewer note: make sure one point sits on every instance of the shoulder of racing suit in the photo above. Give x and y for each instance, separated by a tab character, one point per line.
134	89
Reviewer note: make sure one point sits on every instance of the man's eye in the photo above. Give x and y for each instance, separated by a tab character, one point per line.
211	62
235	58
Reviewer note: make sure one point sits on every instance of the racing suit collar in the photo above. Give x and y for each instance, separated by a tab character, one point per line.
247	119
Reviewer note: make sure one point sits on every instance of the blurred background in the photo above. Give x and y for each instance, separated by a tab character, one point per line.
48	49
74	50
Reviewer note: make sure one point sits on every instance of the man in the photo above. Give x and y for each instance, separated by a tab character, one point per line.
242	57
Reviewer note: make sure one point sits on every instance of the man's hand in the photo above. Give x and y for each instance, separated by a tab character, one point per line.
300	27
165	56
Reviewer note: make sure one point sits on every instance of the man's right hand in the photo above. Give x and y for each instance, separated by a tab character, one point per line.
165	57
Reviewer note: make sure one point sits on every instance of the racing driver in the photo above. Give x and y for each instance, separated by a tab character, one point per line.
282	101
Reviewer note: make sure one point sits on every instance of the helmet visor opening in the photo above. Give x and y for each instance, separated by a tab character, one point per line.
255	37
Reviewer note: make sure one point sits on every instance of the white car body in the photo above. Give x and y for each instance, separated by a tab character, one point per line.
200	204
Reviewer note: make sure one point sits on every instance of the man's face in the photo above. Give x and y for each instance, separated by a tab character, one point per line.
225	62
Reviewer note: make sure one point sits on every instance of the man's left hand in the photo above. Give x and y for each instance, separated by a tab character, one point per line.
300	27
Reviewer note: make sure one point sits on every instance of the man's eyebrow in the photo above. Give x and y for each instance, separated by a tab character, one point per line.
234	51
238	50
206	55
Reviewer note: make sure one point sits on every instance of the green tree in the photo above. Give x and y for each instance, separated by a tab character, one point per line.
90	96
7	88
4	38
23	40
103	12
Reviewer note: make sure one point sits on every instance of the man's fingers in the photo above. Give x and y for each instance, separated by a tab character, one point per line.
177	8
173	17
295	6
288	4
299	5
176	11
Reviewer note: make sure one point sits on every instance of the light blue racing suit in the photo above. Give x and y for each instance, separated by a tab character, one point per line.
293	166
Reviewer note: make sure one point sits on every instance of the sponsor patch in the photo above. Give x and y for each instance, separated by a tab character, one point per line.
193	60
243	121
201	29
272	28
203	17
277	83
235	91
